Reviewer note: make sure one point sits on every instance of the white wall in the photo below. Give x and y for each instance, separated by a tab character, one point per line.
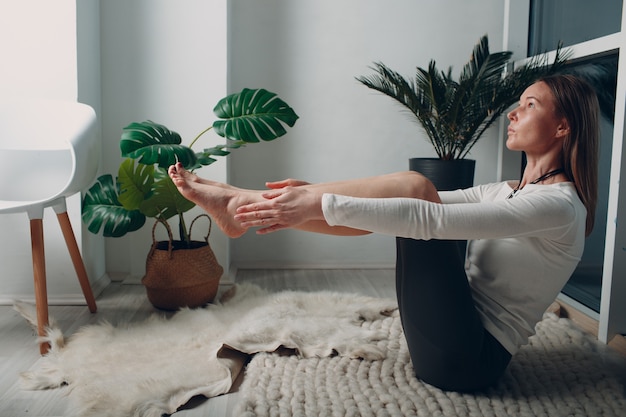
165	61
40	59
90	92
38	44
309	53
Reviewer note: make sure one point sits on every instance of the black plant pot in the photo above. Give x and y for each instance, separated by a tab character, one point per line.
446	176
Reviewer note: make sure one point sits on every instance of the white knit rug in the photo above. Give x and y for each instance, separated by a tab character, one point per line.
559	373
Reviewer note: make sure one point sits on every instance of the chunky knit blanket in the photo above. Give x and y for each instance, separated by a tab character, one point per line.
559	373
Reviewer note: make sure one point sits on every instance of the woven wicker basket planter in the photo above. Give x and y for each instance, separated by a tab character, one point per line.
180	275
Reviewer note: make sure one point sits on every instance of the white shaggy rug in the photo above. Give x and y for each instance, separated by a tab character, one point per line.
151	368
560	373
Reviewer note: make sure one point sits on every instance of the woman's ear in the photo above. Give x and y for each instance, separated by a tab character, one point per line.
562	129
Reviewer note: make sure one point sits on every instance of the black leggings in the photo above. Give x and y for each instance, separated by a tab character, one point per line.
447	341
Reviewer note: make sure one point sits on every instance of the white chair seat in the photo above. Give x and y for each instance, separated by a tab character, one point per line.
49	150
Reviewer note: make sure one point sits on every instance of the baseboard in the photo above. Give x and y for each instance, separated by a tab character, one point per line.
230	275
229	278
577	306
283	265
97	286
588	321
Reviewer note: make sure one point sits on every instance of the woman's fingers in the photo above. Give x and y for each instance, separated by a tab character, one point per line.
256	218
284	208
266	224
260	206
265	213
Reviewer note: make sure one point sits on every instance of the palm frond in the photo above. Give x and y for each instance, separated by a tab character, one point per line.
455	114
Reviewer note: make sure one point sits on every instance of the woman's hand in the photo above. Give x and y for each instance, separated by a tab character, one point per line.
284	208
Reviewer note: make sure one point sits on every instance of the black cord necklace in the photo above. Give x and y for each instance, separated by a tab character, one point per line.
537	180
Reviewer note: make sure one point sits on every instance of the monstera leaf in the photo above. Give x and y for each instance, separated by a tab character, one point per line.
206	156
151	143
143	188
102	210
252	116
136	183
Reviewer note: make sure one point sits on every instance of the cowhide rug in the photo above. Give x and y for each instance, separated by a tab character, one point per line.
153	367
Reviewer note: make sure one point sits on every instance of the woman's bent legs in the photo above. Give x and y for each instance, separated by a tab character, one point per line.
448	344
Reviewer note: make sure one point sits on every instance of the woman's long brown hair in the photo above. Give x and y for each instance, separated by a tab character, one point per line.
577	102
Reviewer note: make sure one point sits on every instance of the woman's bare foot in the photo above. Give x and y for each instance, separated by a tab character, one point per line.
219	200
191	177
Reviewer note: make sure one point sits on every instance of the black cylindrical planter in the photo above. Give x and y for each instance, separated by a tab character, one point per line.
446	175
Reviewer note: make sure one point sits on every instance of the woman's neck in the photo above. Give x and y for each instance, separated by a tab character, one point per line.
542	172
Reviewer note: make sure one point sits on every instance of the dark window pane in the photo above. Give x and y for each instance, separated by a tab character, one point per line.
571	21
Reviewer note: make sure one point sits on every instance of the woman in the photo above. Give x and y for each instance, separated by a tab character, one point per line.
463	320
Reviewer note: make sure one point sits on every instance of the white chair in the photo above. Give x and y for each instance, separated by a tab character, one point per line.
48	151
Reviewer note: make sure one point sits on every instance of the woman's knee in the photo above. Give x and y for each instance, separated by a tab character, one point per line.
418	186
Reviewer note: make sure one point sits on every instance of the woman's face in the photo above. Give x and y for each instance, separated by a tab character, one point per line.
534	125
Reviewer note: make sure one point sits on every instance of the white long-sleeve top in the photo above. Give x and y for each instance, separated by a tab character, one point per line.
521	251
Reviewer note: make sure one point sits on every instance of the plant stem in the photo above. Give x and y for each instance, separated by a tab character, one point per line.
200	134
182	229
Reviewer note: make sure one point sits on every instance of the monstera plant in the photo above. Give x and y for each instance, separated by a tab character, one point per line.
143	189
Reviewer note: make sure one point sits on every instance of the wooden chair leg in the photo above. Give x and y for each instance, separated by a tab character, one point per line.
77	260
39	272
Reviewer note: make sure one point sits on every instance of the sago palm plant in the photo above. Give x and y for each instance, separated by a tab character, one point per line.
143	188
455	114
